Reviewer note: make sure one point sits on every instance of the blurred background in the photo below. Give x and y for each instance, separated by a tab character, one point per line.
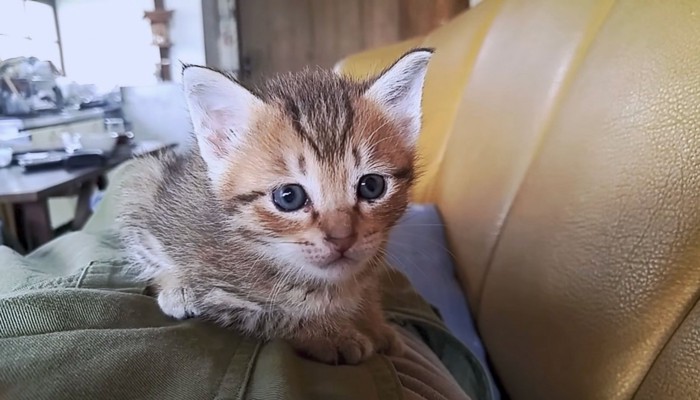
80	74
128	53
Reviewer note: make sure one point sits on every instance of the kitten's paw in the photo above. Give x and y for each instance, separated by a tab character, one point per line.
355	348
388	341
174	303
352	347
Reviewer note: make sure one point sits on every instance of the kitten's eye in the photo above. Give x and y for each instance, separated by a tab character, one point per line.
371	187
289	197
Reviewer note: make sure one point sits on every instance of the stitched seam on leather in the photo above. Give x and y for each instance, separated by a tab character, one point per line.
478	43
578	57
693	304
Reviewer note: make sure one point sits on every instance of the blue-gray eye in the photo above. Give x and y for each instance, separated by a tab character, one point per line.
289	197
371	187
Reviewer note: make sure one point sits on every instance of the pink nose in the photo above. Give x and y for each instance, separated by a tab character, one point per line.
342	244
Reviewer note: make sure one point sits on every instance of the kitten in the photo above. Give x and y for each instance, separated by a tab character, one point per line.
274	223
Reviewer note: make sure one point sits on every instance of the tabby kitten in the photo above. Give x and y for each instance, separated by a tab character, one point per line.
274	223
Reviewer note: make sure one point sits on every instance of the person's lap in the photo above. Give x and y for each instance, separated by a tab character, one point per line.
74	323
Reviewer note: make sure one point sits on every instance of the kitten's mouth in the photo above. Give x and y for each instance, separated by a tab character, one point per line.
340	261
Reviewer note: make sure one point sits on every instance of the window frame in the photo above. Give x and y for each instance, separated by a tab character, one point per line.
52	4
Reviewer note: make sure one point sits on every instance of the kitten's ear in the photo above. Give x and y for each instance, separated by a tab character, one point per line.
221	111
399	90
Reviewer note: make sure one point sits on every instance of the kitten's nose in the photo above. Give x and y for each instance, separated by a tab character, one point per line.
339	229
342	244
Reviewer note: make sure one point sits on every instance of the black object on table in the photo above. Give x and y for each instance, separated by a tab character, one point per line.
81	159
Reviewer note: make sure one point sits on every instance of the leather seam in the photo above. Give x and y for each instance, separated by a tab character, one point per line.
693	304
479	41
577	59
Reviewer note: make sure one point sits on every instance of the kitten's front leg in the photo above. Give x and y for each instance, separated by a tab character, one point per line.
352	341
343	344
385	337
177	302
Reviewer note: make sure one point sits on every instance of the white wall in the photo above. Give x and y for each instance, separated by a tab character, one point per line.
108	42
186	34
157	112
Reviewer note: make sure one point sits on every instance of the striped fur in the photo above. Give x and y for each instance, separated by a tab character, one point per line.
218	249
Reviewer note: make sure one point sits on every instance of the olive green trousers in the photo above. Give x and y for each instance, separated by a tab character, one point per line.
75	324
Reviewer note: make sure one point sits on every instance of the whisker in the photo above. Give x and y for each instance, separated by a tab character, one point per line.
425	274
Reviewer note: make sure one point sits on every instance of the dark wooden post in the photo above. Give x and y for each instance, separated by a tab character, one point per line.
160	25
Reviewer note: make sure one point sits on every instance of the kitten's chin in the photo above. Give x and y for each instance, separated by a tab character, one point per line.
337	270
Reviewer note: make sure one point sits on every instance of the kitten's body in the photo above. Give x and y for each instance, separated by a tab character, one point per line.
179	236
203	228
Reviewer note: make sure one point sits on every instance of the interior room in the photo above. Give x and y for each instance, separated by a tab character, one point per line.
349	199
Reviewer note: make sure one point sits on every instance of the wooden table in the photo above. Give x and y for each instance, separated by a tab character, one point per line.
28	193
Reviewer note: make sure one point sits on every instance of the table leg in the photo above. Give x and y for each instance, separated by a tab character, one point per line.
82	209
36	223
8	239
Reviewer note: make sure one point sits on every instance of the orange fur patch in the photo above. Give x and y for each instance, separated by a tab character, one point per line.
261	165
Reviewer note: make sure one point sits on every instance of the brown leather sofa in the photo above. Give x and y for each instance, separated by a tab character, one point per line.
561	144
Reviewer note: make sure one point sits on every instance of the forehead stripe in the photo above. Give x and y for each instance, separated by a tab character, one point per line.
249	197
349	117
295	115
405	173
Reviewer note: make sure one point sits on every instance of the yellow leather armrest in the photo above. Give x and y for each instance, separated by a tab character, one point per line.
371	62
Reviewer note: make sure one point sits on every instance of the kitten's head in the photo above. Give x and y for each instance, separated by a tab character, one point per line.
316	167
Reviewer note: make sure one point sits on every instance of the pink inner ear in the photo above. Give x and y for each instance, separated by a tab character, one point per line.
220	137
219	141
